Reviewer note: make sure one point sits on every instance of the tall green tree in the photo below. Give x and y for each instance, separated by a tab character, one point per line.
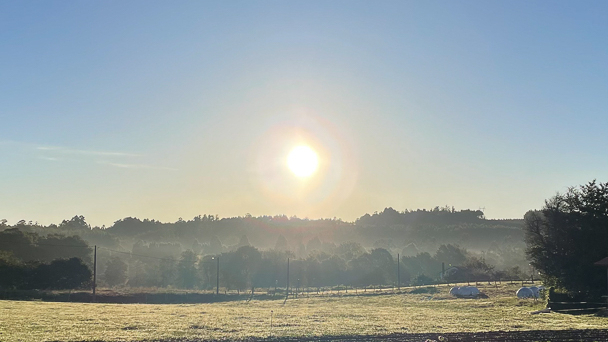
60	274
168	271
115	273
248	259
568	235
451	254
187	273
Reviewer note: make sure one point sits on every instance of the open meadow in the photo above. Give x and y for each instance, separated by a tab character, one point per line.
315	316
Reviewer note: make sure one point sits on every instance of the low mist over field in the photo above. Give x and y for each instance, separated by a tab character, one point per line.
149	253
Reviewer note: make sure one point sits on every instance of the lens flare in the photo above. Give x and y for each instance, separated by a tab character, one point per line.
282	188
302	161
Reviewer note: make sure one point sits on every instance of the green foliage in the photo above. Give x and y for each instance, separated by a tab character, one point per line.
421	290
451	255
349	250
34	247
423	263
187	273
12	271
329	252
568	235
422	279
116	272
479	269
59	274
241	267
437	215
375	268
157	249
75	223
282	244
168	272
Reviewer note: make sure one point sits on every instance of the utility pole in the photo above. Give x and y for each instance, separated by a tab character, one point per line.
398	274
217	277
287	288
94	272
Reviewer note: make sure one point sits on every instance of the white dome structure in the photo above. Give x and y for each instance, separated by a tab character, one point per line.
525	292
465	291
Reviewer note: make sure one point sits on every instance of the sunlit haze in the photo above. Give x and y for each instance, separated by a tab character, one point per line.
318	109
302	161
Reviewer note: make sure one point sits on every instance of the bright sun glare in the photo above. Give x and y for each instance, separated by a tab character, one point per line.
302	161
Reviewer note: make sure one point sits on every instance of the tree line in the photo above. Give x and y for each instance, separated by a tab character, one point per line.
254	250
30	261
247	267
563	240
350	264
500	242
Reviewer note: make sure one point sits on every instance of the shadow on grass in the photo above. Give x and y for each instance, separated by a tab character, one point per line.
167	297
489	336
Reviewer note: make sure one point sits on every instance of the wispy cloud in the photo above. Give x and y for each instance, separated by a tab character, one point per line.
49	158
64	150
137	166
56	153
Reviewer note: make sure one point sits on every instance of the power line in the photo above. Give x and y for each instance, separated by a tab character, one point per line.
111	250
99	247
41	244
145	256
56	245
139	255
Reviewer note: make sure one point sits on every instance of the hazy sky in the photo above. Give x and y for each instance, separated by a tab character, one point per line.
167	109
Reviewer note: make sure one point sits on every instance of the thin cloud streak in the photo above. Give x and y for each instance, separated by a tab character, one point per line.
137	166
52	153
49	158
86	152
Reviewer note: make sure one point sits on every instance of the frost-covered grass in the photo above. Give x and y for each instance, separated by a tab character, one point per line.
314	316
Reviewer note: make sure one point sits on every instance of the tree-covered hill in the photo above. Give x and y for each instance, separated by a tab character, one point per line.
146	252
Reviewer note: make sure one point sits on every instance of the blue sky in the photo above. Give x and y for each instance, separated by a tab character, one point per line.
165	109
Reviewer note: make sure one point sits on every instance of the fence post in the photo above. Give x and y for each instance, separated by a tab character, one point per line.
287	288
94	273
398	273
217	278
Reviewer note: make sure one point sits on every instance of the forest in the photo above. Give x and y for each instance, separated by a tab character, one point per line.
428	246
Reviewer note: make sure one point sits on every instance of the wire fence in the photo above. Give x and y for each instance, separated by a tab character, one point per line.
294	290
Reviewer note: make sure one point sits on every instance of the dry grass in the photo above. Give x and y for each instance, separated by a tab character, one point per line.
348	315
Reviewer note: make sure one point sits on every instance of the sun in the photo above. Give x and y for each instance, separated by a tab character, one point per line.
302	161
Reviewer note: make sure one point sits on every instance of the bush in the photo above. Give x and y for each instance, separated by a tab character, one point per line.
60	274
420	290
422	279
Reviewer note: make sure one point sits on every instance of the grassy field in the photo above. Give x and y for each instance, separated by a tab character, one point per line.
315	316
